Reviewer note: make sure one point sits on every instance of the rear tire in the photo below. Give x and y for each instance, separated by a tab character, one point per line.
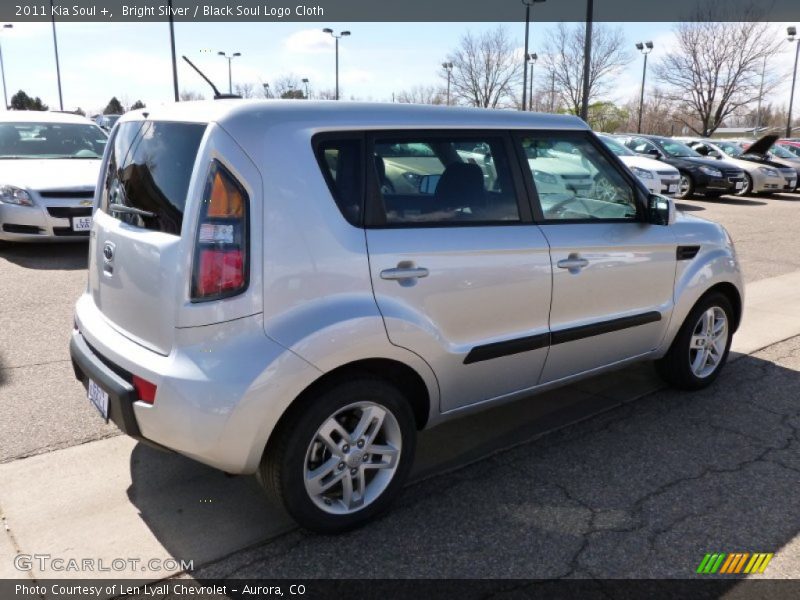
700	349
342	455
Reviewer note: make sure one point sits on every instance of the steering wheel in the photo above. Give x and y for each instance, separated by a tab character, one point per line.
604	189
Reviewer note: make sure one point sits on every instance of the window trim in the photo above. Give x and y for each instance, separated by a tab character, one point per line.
640	193
375	213
317	141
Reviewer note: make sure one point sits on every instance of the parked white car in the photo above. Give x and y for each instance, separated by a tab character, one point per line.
658	177
49	164
264	297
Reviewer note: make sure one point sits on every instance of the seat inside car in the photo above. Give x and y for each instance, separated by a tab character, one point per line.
461	186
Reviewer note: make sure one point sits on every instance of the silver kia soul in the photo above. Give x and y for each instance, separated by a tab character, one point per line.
293	289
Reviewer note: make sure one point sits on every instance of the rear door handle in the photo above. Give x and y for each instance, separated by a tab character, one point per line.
574	263
403	273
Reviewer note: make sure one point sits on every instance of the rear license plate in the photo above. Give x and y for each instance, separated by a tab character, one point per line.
99	398
81	223
673	187
739	185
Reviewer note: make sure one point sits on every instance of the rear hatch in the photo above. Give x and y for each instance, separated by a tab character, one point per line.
136	271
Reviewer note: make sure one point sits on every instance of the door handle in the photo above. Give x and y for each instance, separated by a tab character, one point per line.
403	273
574	263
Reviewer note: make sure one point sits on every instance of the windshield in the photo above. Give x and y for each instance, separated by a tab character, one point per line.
51	140
616	147
781	152
730	148
677	149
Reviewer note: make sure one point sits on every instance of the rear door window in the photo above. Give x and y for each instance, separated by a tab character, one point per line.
148	173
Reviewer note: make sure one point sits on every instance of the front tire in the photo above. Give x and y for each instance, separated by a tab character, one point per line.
685	187
701	347
748	186
342	455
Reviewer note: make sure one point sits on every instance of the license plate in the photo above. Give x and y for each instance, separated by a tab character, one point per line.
739	185
673	187
81	223
99	398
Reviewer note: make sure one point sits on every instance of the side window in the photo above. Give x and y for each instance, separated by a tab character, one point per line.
445	180
574	181
641	146
342	165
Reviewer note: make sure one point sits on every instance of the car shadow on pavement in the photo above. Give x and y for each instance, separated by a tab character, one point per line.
644	489
50	257
688	207
795	197
737	200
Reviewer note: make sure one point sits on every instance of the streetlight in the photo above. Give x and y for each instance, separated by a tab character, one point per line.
174	58
230	60
528	6
792	31
645	49
305	82
448	66
3	71
532	58
337	38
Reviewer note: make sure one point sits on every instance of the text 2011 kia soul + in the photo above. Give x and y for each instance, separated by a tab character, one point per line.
293	289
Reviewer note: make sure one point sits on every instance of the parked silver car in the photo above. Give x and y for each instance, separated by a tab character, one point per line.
293	289
49	163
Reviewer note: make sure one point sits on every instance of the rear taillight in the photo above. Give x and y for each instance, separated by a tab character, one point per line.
220	267
145	390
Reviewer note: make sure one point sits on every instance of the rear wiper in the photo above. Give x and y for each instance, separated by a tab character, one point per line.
130	210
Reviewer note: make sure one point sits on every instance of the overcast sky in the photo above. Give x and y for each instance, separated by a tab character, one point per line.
132	60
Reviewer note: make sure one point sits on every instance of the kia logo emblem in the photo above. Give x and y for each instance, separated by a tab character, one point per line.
108	251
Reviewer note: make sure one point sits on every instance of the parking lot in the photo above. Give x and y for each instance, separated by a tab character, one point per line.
612	477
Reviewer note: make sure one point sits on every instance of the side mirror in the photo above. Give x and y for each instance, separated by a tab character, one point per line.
428	183
654	153
660	210
714	154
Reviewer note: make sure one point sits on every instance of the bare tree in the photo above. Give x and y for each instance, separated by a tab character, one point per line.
485	69
717	68
327	94
189	95
563	62
422	94
245	90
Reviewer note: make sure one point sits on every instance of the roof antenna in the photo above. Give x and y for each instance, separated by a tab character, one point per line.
217	95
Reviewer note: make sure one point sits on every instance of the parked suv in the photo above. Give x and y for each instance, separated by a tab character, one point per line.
294	289
699	175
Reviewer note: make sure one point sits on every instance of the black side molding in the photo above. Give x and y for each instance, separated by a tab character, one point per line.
584	331
687	252
507	348
534	342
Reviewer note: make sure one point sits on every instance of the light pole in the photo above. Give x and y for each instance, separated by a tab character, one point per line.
230	60
3	70
305	83
532	58
792	31
337	38
587	59
528	10
172	46
760	96
55	47
645	48
448	66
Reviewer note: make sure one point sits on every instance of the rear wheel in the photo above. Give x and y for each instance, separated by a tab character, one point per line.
701	347
685	187
748	186
342	457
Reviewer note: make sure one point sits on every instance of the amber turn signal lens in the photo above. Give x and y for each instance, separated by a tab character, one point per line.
226	200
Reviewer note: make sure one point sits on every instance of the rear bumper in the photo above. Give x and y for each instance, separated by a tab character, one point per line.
121	394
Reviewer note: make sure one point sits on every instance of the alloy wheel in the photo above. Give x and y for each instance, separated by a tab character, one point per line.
708	342
352	458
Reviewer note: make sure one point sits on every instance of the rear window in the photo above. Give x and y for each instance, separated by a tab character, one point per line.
148	172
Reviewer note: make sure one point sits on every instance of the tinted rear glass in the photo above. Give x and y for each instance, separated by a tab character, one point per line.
149	169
